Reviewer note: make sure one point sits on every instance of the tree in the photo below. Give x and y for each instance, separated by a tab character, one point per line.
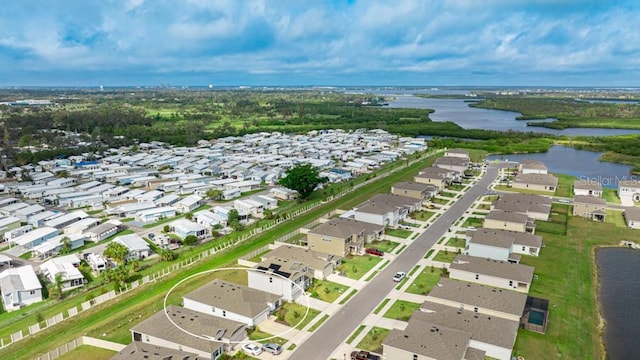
233	220
166	229
166	254
214	194
303	178
188	216
190	240
56	287
117	252
66	246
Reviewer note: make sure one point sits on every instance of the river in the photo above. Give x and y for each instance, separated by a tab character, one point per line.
459	112
618	270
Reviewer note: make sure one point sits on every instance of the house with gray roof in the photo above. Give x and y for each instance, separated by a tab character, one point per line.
386	209
414	190
590	207
138	249
490	272
343	236
632	217
437	177
19	287
453	163
137	350
319	264
535	206
502	245
172	328
587	187
531	166
281	276
533	181
509	220
234	302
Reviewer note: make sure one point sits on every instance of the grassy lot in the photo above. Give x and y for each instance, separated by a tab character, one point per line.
565	185
88	352
457	242
611	195
113	318
445	256
616	218
440	201
483	207
355	267
257	335
291	314
428	253
373	340
447	194
401	233
425	281
456	187
423	215
565	272
326	290
401	310
473	221
384	245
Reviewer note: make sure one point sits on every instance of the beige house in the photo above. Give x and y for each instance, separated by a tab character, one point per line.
509	220
530	166
457	153
342	236
534	206
587	187
437	177
386	209
534	181
632	217
590	207
485	271
319	264
414	190
453	163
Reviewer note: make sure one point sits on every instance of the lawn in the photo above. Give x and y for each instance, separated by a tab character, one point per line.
565	272
473	221
456	187
447	194
445	256
483	207
423	215
291	314
440	201
611	195
565	185
373	340
88	352
355	334
355	267
425	281
616	218
257	335
401	310
382	304
326	290
318	323
349	296
457	242
401	233
384	245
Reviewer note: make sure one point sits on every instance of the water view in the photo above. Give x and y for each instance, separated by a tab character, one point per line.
619	292
459	111
584	165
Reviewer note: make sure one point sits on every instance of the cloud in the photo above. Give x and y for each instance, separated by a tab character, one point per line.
336	42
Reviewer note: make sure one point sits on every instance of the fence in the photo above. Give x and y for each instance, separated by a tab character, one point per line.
84	340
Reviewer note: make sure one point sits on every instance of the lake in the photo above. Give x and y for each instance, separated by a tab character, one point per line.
459	112
580	163
618	270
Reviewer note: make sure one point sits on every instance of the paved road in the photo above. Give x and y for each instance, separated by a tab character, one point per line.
323	342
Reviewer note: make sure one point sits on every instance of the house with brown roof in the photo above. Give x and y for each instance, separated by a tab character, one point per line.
632	217
453	163
587	187
530	166
590	207
509	220
481	299
437	177
343	236
386	209
490	272
173	327
534	206
537	182
227	300
414	190
502	245
282	276
137	350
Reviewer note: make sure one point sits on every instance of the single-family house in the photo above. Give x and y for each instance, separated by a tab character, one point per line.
137	350
184	228
155	214
167	200
103	231
8	223
509	220
65	267
502	245
538	182
229	194
52	247
187	204
26	212
167	327
490	272
414	190
587	187
457	153
62	221
590	207
452	163
534	206
343	236
35	237
288	278
249	206
81	225
531	166
319	264
209	219
386	209
19	287
283	193
437	177
138	249
632	217
629	190
234	302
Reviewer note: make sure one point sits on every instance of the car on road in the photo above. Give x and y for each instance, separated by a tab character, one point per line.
399	276
363	355
272	348
252	349
375	252
565	201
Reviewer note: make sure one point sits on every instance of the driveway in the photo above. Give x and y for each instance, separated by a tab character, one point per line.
325	340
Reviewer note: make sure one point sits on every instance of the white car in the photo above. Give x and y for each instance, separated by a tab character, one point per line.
252	349
399	276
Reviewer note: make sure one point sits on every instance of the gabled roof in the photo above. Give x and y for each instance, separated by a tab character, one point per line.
533	164
536	179
21	278
632	214
133	242
586	199
344	228
430	340
413	186
313	259
587	185
495	268
137	350
504	238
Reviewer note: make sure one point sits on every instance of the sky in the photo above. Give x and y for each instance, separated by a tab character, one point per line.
320	43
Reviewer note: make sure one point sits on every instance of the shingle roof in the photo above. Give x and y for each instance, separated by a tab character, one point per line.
587	185
413	186
504	237
138	350
431	340
508	216
343	228
489	267
632	214
536	179
586	199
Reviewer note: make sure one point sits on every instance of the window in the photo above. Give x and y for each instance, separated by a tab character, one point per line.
477	276
523	248
224	313
475	309
270	279
32	292
510	282
213	309
415	357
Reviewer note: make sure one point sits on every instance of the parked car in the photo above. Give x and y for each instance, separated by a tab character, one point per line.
399	276
273	348
375	252
252	349
363	355
151	236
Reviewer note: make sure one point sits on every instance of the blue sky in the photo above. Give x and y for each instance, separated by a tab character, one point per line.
314	42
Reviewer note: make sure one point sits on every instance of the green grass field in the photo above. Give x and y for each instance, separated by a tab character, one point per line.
373	340
401	233
565	185
445	256
383	245
355	267
88	352
425	281
457	242
401	310
326	290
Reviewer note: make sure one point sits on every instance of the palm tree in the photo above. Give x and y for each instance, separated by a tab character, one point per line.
56	287
66	246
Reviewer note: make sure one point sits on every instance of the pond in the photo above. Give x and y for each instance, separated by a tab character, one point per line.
585	165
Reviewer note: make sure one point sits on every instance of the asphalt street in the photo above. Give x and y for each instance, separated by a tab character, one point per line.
322	343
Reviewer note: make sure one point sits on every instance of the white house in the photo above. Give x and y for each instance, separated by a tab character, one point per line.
66	219
501	274
53	246
153	215
502	245
97	262
184	228
280	276
137	247
233	302
188	204
67	267
208	219
103	231
35	237
19	287
629	191
530	166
